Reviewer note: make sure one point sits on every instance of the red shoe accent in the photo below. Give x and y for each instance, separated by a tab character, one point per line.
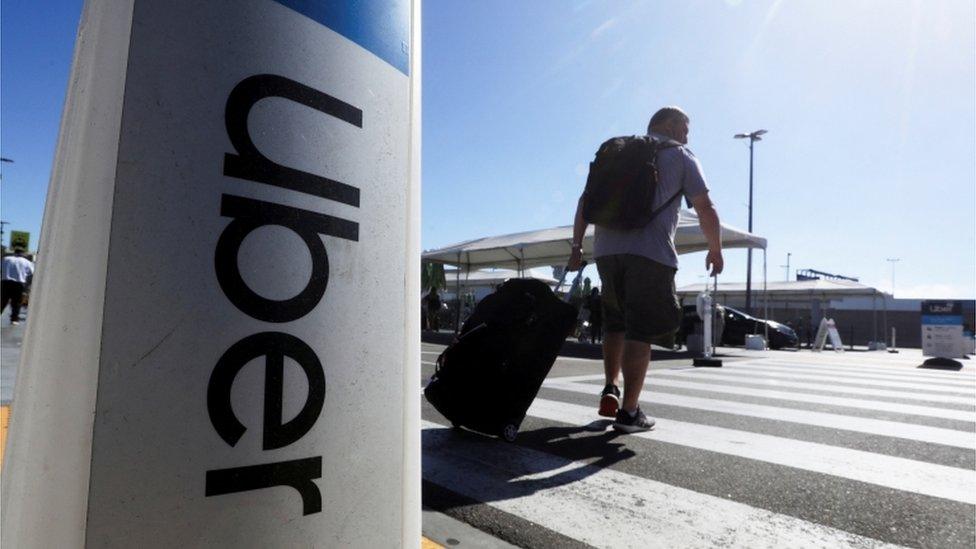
609	404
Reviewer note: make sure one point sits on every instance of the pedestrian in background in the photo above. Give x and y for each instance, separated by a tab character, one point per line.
17	272
433	303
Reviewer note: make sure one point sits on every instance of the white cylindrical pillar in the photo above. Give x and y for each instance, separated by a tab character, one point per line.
223	346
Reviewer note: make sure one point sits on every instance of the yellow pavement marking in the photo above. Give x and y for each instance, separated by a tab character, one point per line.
4	422
427	544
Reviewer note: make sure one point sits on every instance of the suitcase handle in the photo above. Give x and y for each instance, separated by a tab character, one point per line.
577	281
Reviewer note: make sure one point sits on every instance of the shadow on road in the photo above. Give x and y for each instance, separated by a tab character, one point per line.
541	459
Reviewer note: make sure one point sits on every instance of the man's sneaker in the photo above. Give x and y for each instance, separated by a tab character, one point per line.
15	323
609	401
632	424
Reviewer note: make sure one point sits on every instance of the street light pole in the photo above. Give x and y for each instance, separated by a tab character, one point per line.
5	161
788	254
893	260
753	137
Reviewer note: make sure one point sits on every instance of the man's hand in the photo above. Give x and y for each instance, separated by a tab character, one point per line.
575	259
714	262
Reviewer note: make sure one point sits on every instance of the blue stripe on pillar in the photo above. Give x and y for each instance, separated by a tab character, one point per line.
382	27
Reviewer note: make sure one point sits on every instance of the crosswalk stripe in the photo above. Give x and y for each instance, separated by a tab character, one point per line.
591	504
909	359
692	382
912	372
840	387
962	385
935	435
778	379
783	380
837	377
890	471
907	364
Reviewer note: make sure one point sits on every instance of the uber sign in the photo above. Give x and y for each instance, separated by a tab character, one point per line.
224	346
247	216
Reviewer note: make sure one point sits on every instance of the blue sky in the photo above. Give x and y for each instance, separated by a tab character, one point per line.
870	107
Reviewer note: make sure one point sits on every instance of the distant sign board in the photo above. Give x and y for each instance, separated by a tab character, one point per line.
20	239
827	329
942	329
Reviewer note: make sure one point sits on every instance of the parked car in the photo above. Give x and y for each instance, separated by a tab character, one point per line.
737	325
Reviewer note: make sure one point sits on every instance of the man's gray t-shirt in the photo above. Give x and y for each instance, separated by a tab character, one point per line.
678	170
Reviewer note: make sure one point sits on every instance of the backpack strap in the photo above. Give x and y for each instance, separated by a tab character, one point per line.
662	207
659	146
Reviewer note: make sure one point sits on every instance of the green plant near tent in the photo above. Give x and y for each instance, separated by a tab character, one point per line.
432	275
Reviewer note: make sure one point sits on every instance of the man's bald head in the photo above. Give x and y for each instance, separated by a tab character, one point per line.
672	122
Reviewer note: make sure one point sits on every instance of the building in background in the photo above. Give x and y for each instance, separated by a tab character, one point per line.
862	313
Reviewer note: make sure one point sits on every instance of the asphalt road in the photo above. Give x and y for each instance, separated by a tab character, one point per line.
774	449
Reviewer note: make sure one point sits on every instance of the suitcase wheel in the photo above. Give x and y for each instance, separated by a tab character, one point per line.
510	432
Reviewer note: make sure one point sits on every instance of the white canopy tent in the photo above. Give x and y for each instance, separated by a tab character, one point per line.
552	246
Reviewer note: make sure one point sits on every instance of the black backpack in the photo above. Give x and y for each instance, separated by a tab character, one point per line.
622	183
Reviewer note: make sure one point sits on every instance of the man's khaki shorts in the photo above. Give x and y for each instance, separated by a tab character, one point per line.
639	298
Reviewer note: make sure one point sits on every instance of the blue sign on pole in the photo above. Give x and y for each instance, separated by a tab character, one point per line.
942	329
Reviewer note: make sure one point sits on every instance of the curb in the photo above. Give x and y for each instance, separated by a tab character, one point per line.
445	532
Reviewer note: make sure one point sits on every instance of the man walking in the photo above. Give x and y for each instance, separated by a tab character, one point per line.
637	269
17	271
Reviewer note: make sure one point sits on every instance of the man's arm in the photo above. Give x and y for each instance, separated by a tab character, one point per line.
708	221
579	229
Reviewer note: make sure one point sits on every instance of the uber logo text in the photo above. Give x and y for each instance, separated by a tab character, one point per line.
247	215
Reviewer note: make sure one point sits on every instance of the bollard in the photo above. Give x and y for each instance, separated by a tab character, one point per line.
705	311
894	346
223	347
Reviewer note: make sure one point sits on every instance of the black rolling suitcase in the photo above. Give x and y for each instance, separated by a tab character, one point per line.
487	378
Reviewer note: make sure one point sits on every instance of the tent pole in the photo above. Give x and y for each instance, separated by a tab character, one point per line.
467	278
765	300
874	316
457	293
884	301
